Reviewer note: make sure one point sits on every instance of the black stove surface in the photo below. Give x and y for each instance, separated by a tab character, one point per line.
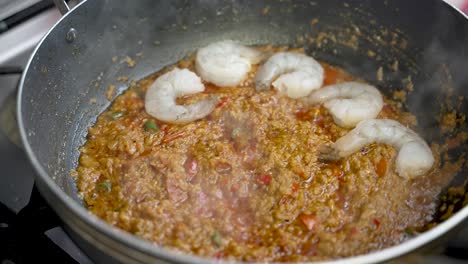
23	238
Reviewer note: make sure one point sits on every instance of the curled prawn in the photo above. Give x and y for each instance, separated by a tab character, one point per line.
160	99
349	102
226	63
293	74
414	156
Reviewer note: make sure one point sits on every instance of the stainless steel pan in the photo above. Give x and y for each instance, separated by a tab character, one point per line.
63	89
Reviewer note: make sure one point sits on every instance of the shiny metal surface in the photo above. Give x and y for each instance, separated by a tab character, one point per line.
63	79
16	45
10	7
62	6
25	36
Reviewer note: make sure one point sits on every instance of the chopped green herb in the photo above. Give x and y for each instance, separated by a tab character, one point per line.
104	186
409	233
150	126
216	239
117	115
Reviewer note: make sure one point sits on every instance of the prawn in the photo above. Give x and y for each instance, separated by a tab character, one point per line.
414	156
349	102
226	63
296	74
160	99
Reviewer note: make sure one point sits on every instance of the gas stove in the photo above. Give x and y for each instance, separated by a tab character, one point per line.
30	232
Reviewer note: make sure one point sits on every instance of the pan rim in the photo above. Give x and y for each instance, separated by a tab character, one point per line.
147	248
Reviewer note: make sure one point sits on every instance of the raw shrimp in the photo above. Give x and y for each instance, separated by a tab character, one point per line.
296	74
160	99
414	155
226	63
349	102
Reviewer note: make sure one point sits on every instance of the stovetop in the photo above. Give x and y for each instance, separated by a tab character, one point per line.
28	232
27	223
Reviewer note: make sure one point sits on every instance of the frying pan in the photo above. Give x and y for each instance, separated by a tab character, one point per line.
63	88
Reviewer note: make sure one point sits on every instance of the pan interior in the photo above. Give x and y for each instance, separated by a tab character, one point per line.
66	82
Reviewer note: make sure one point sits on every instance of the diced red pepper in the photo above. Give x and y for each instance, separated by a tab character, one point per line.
265	179
222	102
308	221
376	222
295	187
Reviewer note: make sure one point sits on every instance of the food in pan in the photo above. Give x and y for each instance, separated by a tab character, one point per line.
259	153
